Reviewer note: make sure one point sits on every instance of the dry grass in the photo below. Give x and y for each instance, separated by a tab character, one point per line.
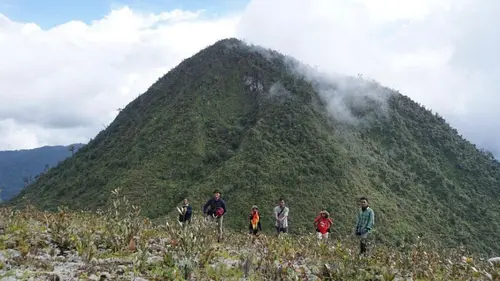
123	244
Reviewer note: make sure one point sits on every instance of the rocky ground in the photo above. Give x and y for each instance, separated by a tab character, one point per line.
118	244
50	263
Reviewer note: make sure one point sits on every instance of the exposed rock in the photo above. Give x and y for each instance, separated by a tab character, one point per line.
105	276
495	260
54	277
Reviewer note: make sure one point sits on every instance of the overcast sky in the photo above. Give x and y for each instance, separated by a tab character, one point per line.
62	82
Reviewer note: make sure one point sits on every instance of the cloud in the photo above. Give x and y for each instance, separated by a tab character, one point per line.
64	84
347	99
31	135
440	53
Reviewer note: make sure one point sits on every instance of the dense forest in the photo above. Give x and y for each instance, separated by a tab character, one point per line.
259	126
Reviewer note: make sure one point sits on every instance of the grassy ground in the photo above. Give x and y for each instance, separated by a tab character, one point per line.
118	244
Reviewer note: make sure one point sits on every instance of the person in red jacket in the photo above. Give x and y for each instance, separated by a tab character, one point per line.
323	224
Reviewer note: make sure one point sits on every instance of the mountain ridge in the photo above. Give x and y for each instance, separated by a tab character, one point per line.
22	166
259	125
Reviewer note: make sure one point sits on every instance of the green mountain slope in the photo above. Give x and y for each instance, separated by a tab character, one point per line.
21	167
251	123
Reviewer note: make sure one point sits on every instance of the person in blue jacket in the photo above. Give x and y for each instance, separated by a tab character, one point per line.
185	213
215	208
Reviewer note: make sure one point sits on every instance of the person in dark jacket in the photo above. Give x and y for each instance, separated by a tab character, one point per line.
215	208
185	213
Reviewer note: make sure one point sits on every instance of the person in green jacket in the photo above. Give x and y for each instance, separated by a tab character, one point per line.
364	224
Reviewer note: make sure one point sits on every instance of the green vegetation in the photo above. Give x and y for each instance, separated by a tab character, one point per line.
237	118
119	244
19	168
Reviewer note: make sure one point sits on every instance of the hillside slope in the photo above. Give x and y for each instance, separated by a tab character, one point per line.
21	167
256	125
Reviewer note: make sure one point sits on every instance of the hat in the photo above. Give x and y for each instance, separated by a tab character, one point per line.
325	212
255	207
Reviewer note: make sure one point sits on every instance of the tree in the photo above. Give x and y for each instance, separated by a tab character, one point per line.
72	149
27	180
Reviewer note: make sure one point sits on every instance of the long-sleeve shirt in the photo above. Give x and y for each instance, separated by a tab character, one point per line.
214	204
365	221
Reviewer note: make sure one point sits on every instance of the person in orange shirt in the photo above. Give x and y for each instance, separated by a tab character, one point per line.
323	224
254	217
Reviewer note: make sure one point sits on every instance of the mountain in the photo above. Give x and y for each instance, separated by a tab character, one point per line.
21	167
259	125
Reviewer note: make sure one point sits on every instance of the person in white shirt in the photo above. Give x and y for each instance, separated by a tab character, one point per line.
281	215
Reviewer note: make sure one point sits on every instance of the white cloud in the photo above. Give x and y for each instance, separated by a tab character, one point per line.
64	84
442	54
32	135
61	85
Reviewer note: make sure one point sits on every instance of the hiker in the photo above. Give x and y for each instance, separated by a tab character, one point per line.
215	208
364	224
254	226
281	215
185	213
323	224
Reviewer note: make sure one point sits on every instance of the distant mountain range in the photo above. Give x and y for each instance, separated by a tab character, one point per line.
19	168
